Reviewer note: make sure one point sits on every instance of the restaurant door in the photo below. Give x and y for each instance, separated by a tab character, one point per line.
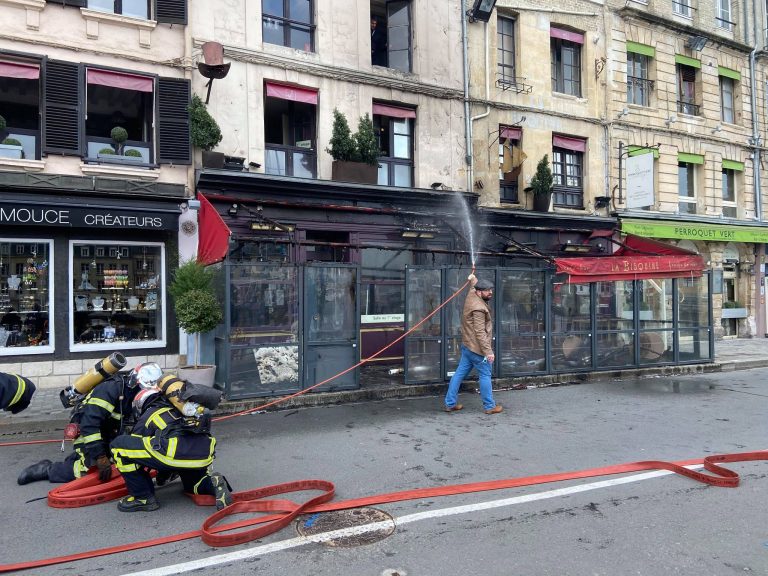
331	325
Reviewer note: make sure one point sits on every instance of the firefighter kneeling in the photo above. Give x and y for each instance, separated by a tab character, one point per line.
165	440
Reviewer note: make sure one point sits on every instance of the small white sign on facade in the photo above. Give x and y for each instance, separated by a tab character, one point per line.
640	184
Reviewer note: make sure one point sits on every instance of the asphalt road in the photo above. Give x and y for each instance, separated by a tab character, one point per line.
652	524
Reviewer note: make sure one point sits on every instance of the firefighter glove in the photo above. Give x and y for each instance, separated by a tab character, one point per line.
105	468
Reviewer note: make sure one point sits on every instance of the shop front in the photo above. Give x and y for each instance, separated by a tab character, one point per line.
83	276
320	276
736	255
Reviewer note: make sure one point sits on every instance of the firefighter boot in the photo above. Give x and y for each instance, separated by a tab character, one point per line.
222	491
35	472
131	504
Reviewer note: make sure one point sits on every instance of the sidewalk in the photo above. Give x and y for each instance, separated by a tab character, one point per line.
737	354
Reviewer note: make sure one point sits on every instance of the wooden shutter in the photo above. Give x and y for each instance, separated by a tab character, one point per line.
171	11
78	3
173	99
61	101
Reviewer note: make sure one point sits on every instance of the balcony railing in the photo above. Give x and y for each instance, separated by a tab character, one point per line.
291	161
687	108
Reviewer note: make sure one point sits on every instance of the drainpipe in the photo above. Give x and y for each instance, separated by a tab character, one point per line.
487	80
467	121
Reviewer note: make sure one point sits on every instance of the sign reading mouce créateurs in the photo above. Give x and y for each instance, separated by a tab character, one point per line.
86	217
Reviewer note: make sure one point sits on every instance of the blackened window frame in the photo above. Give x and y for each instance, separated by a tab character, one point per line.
291	148
567	189
558	49
727	89
390	162
288	24
686	90
508	191
506	58
39	61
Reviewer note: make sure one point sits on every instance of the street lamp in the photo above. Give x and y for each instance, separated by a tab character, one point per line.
481	11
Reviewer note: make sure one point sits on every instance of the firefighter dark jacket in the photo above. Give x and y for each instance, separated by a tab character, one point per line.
15	392
101	416
167	438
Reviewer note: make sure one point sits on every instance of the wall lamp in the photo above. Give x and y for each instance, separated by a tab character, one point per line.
696	43
232	211
481	10
602	201
624	112
718	128
672	118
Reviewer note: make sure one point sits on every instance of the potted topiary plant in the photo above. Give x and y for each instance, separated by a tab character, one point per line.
205	133
119	135
541	185
198	310
355	157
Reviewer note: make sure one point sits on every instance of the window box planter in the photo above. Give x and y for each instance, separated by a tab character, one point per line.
734	313
11	151
119	159
360	172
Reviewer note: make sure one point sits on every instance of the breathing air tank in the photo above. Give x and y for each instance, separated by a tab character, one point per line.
103	369
171	387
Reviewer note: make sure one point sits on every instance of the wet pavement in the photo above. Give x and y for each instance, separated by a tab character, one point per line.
730	354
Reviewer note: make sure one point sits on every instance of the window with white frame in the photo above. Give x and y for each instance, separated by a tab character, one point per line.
686	182
118	298
723	14
26	303
730	173
726	99
682	7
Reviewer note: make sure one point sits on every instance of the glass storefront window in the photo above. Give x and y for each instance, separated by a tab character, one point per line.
25	296
117	291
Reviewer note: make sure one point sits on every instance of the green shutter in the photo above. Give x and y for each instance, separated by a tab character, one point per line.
638	48
639	151
690	158
692	62
733	165
728	73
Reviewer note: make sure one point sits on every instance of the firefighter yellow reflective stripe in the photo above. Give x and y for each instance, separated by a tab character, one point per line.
197	486
19	390
120	453
79	467
91	438
173	443
174	463
102	403
157	419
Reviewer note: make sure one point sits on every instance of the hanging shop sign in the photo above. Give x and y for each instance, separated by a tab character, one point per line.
640	191
86	217
695	231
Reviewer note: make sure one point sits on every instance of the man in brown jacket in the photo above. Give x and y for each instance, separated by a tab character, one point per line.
476	346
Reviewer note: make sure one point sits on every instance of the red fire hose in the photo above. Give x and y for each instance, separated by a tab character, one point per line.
283	512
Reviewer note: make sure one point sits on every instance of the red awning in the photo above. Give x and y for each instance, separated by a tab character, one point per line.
19	70
638	258
573	144
294	93
393	111
120	80
511	132
566	35
213	243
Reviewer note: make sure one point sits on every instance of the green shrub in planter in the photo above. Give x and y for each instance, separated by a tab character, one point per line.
3	124
729	304
107	150
197	308
342	146
11	142
366	141
133	153
205	132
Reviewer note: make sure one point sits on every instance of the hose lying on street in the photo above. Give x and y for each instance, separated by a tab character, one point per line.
280	512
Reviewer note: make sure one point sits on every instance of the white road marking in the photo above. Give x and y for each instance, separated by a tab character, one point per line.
407	519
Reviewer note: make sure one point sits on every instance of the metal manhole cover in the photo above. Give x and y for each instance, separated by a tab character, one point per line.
355	527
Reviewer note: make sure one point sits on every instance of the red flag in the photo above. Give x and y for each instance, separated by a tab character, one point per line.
214	234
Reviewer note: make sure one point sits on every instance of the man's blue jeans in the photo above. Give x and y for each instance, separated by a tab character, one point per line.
467	362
